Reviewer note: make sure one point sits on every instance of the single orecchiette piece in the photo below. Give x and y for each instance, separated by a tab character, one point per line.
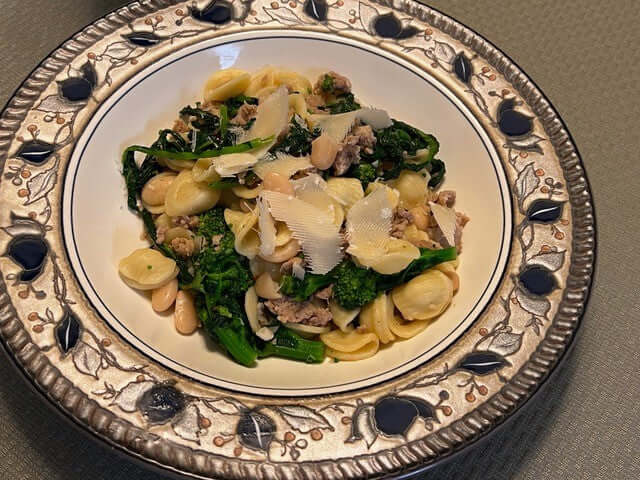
352	345
377	315
147	269
155	190
244	226
404	329
412	187
225	84
267	288
185	196
346	191
424	297
392	257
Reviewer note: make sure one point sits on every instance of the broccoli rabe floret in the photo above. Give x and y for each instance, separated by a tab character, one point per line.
344	103
212	223
300	290
353	286
365	172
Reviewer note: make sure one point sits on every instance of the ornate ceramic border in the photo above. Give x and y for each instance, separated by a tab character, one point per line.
77	361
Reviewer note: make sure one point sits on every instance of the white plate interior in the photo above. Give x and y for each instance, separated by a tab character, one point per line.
99	229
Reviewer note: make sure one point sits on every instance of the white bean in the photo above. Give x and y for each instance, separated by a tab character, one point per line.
163	297
155	190
277	183
185	316
323	151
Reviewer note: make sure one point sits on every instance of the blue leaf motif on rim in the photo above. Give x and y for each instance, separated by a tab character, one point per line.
67	332
462	67
35	152
143	39
511	122
89	74
75	89
217	12
255	430
482	362
30	253
389	26
544	211
316	9
538	280
394	415
161	403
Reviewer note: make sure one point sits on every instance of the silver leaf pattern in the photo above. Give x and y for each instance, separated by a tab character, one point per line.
40	185
128	396
538	306
283	16
187	425
551	260
119	50
57	104
363	426
302	419
87	359
506	343
527	235
444	52
526	183
23	227
226	406
367	14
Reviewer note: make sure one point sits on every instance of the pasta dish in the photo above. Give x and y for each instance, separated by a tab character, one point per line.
285	218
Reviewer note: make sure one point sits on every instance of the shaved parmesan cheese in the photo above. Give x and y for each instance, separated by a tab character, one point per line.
338	126
267	227
272	118
283	164
297	270
313	227
369	220
446	219
346	191
313	189
233	163
374	117
335	127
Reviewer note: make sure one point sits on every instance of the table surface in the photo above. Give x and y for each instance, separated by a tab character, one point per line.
583	54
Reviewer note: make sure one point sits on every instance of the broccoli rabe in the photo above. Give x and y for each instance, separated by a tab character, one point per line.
234	103
212	223
289	344
354	286
298	140
365	172
403	147
344	103
300	290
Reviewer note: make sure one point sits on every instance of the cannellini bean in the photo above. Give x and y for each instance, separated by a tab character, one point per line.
277	183
163	297
323	151
185	316
420	219
155	190
266	287
284	253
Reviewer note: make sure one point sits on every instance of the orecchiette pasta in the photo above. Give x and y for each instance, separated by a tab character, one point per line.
326	212
424	297
243	226
412	188
376	317
352	345
225	84
185	196
147	269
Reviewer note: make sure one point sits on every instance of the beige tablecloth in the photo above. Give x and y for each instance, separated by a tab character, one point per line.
584	55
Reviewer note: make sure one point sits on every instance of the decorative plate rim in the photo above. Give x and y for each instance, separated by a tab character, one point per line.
552	349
